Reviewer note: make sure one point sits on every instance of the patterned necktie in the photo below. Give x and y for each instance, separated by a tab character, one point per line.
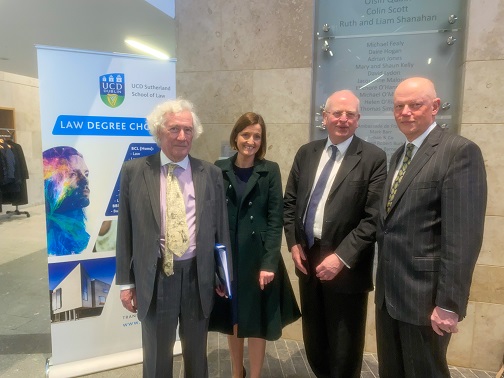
176	230
317	196
400	174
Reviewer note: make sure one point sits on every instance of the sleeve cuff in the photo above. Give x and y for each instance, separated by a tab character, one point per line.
343	261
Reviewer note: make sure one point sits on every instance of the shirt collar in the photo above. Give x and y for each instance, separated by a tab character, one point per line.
165	160
418	141
342	147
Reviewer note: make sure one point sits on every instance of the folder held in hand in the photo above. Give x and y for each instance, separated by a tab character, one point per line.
222	268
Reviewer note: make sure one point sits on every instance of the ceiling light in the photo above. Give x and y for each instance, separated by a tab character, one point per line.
146	49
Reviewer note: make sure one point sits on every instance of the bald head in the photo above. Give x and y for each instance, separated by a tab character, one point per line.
343	95
415	106
419	85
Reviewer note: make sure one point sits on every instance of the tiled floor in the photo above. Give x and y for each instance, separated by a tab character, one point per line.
25	326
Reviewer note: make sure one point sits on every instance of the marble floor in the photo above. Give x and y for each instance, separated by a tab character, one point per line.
25	342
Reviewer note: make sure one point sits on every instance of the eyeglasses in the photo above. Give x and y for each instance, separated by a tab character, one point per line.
175	130
412	106
349	115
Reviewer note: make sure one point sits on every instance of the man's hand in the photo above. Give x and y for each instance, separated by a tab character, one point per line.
329	268
442	320
265	278
298	256
128	299
221	291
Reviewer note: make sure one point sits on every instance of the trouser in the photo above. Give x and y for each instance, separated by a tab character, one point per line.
176	301
409	351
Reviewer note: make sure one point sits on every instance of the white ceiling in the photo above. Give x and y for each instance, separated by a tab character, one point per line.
99	25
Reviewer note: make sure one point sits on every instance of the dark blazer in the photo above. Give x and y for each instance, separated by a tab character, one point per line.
255	224
351	210
430	240
138	229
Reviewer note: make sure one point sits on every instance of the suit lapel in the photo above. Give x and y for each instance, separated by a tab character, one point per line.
152	182
424	153
258	169
350	160
227	171
256	173
199	187
313	162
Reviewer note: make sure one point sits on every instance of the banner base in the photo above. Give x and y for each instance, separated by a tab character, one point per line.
97	364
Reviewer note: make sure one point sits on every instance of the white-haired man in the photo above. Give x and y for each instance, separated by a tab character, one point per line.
165	283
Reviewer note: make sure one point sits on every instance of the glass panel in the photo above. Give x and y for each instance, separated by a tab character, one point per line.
369	46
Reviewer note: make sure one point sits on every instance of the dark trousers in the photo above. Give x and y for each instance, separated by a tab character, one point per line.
334	325
177	301
409	351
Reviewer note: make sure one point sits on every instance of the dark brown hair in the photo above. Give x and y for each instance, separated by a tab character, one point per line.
245	120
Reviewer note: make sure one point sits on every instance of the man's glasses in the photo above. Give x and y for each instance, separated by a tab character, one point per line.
349	115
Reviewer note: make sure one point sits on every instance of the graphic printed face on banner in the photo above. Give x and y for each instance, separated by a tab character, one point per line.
112	88
66	188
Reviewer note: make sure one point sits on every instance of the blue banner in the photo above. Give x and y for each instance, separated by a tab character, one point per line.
100	126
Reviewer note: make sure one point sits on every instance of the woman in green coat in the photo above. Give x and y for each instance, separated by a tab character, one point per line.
262	299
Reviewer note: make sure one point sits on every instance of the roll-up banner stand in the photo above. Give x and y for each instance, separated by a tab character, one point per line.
93	107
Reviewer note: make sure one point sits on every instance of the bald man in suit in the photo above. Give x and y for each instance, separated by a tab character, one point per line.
330	227
429	236
166	289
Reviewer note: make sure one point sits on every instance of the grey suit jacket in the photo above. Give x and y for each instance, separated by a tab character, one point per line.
351	210
138	232
429	242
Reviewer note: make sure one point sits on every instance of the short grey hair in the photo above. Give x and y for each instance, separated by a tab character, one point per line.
156	119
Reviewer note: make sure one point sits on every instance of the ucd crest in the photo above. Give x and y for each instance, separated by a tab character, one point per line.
112	89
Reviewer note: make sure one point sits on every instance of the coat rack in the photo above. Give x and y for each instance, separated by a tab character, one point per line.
10	135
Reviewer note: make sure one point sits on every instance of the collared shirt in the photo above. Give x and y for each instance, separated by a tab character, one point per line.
184	176
183	173
417	143
319	215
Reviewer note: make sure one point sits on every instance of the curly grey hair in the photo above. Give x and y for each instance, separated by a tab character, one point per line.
156	119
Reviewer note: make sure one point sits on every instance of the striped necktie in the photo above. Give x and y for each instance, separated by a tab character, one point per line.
400	174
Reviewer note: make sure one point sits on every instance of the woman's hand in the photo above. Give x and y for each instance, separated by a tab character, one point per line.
265	278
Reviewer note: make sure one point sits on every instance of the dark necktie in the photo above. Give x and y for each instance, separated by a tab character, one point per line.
400	174
317	196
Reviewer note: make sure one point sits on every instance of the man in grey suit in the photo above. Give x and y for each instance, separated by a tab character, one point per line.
330	212
162	287
429	236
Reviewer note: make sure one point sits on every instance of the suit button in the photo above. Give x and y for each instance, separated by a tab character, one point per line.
251	217
253	232
227	200
250	203
229	186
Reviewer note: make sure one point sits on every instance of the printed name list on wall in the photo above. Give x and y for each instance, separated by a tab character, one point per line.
369	46
93	109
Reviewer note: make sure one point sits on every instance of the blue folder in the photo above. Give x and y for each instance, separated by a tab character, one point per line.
222	268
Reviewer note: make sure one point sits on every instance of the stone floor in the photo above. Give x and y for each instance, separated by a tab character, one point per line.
25	342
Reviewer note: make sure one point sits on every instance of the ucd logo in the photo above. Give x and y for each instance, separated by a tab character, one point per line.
112	89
